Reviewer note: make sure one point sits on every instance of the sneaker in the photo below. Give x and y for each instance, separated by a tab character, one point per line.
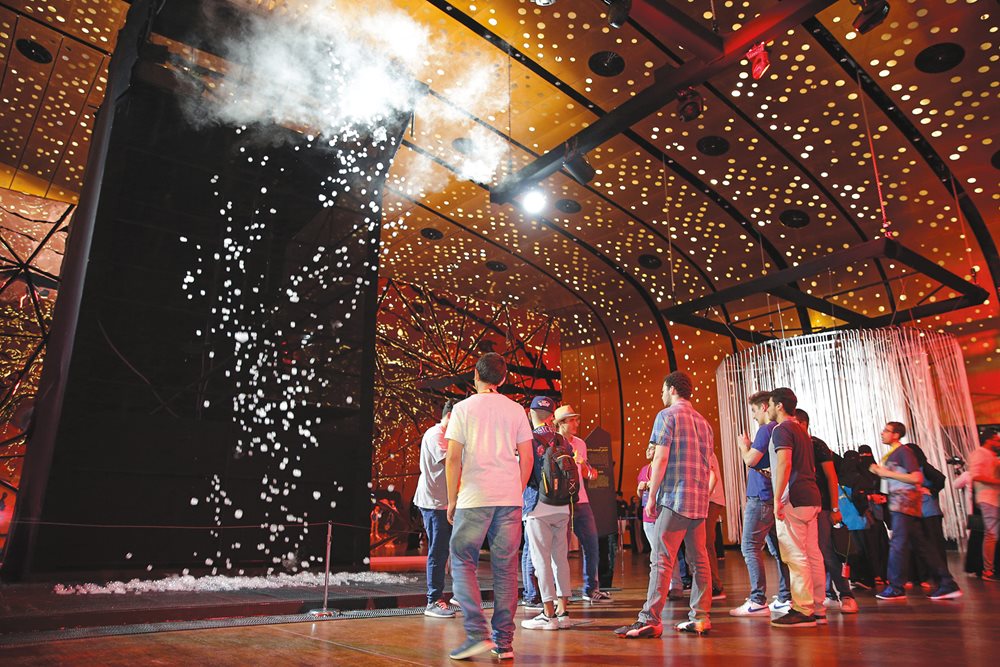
540	622
718	594
794	619
832	603
597	596
780	606
697	627
439	609
927	585
948	591
848	606
988	576
860	584
563	620
820	619
888	593
472	647
533	605
502	652
639	630
750	608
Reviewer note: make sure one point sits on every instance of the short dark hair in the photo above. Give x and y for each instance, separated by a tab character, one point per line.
446	409
759	398
492	368
786	397
865	450
897	427
802	415
681	382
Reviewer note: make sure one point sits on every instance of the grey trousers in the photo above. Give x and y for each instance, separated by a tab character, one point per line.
549	554
669	530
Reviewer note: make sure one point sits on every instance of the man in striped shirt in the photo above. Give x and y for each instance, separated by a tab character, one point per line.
678	497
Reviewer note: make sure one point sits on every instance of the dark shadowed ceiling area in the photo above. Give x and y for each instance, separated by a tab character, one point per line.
772	174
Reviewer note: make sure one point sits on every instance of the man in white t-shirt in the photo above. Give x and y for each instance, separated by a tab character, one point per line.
567	421
488	465
432	499
984	468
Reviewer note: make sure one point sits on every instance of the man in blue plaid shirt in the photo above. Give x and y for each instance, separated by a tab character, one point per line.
678	497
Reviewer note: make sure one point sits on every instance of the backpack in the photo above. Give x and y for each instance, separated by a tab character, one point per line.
560	480
935	478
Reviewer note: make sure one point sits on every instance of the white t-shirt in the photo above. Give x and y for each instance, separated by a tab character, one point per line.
580	454
489	426
432	487
983	463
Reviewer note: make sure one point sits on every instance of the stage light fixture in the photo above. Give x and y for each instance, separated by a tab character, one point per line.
618	11
690	104
544	3
872	13
533	201
759	62
578	167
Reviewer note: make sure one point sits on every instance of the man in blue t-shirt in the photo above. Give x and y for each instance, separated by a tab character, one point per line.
901	480
758	517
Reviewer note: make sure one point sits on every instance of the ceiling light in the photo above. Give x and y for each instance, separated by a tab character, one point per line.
689	104
544	3
872	13
618	11
533	201
759	62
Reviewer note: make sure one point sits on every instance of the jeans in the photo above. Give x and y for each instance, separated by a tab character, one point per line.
831	561
758	529
908	532
503	526
528	571
438	535
585	529
799	542
670	529
549	549
680	566
714	512
991	533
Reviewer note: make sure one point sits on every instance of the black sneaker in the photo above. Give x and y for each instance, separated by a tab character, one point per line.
794	619
502	652
948	591
639	630
891	594
718	594
534	605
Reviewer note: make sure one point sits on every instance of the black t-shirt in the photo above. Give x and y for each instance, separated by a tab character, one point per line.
821	454
802	489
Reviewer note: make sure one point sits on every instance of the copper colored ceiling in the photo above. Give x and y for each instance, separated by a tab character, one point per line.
774	172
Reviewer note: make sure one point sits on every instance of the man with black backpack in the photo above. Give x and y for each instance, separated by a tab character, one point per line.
552	488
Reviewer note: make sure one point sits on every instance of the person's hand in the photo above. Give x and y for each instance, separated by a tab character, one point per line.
779	510
836	517
877	498
743	440
651	506
876	469
643	486
451	513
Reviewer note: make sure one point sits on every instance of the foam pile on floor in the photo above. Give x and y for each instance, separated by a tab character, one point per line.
214	583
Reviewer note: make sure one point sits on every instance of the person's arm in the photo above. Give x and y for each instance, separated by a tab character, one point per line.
656	471
713	479
453	475
526	459
979	469
781	474
750	456
833	484
915	478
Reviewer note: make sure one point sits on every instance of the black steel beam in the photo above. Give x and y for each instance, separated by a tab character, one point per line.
769	25
721	328
800	298
674	25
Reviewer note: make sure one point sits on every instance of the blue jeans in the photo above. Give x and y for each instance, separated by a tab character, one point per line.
472	526
585	529
908	532
528	571
758	529
438	535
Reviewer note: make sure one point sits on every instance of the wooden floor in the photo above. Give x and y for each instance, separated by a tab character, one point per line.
949	634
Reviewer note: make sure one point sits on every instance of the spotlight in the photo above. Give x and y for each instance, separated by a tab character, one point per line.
578	167
618	11
544	3
872	13
533	201
689	104
759	62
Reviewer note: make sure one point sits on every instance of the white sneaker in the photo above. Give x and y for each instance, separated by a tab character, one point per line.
779	607
563	620
750	608
540	622
831	603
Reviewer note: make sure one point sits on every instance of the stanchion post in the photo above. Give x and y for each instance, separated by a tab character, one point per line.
325	612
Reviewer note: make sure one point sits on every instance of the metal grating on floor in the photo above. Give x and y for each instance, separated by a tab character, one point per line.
30	638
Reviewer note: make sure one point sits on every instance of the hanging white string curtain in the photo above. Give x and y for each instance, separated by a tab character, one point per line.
851	383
